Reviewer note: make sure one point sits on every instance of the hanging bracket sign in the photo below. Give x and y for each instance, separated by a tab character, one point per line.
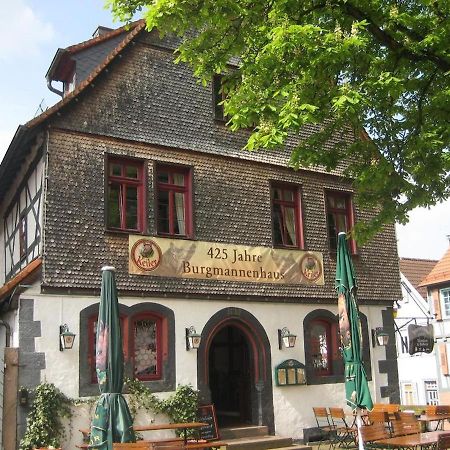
421	339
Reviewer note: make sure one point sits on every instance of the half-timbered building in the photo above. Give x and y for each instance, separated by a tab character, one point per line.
134	167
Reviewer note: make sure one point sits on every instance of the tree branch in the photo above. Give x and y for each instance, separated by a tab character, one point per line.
386	39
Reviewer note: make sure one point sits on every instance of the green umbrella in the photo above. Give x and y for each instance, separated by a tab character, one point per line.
356	388
112	421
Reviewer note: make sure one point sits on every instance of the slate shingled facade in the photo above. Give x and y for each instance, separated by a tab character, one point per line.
138	104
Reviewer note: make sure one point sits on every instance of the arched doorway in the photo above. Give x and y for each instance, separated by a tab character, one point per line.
230	376
234	369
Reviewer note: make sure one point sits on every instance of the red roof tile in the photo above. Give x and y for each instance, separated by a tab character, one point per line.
415	270
440	272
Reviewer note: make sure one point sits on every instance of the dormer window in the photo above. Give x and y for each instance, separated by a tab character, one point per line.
69	85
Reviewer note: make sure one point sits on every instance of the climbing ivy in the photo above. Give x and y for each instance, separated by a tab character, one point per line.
44	426
180	406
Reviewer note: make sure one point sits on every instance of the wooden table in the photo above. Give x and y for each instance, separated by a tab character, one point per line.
412	440
439	418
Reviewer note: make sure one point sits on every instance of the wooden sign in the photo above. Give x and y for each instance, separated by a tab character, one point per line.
207	414
421	339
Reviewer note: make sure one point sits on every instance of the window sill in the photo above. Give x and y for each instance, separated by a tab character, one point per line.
123	232
174	236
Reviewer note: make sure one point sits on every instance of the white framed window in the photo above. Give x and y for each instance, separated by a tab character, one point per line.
409	393
445	301
431	392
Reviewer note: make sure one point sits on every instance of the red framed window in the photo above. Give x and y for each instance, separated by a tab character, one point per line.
340	217
142	346
286	216
125	195
321	347
174	201
145	348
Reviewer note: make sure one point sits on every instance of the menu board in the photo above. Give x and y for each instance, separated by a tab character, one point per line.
207	414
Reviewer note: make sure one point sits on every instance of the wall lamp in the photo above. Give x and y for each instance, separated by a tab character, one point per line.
193	339
380	337
66	338
286	339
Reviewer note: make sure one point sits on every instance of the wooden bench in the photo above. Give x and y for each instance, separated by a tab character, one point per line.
205	445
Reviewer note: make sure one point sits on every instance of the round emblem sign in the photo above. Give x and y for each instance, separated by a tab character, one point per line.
310	267
146	254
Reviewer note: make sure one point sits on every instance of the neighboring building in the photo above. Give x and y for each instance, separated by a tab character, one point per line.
417	373
132	169
437	283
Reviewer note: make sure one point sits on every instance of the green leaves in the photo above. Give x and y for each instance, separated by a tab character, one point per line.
180	406
44	426
336	67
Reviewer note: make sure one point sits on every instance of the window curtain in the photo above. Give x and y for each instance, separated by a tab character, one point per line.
178	180
290	224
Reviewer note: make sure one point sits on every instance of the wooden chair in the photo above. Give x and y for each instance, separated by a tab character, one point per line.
443	442
344	434
323	422
402	427
372	433
380	417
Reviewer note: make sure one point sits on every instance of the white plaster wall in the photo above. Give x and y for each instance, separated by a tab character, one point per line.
418	368
292	404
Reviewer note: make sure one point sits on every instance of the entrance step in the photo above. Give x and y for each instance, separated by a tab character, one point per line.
258	443
243	432
256	438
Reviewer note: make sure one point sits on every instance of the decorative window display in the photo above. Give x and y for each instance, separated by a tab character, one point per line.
321	347
146	360
143	346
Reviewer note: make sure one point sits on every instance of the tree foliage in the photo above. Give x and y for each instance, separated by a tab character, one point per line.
379	68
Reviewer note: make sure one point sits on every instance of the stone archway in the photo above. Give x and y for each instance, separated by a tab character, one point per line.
241	334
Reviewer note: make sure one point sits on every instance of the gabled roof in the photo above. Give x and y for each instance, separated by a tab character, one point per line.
415	270
18	148
440	272
135	29
57	67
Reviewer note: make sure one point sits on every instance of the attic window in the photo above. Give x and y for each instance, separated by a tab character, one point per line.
69	85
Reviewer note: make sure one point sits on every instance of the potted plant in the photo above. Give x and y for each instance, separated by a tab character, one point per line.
44	426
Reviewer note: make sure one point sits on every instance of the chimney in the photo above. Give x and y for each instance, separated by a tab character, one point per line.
100	31
448	237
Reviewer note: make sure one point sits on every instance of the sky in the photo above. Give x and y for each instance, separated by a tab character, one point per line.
31	31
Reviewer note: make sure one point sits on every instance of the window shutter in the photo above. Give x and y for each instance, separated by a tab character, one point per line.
443	357
436	304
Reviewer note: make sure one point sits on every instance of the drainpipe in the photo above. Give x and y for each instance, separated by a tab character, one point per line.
56	91
8	332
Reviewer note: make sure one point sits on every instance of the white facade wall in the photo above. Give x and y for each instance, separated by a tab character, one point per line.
415	369
292	404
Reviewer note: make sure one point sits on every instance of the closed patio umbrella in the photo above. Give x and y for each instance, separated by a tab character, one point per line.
112	421
356	388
